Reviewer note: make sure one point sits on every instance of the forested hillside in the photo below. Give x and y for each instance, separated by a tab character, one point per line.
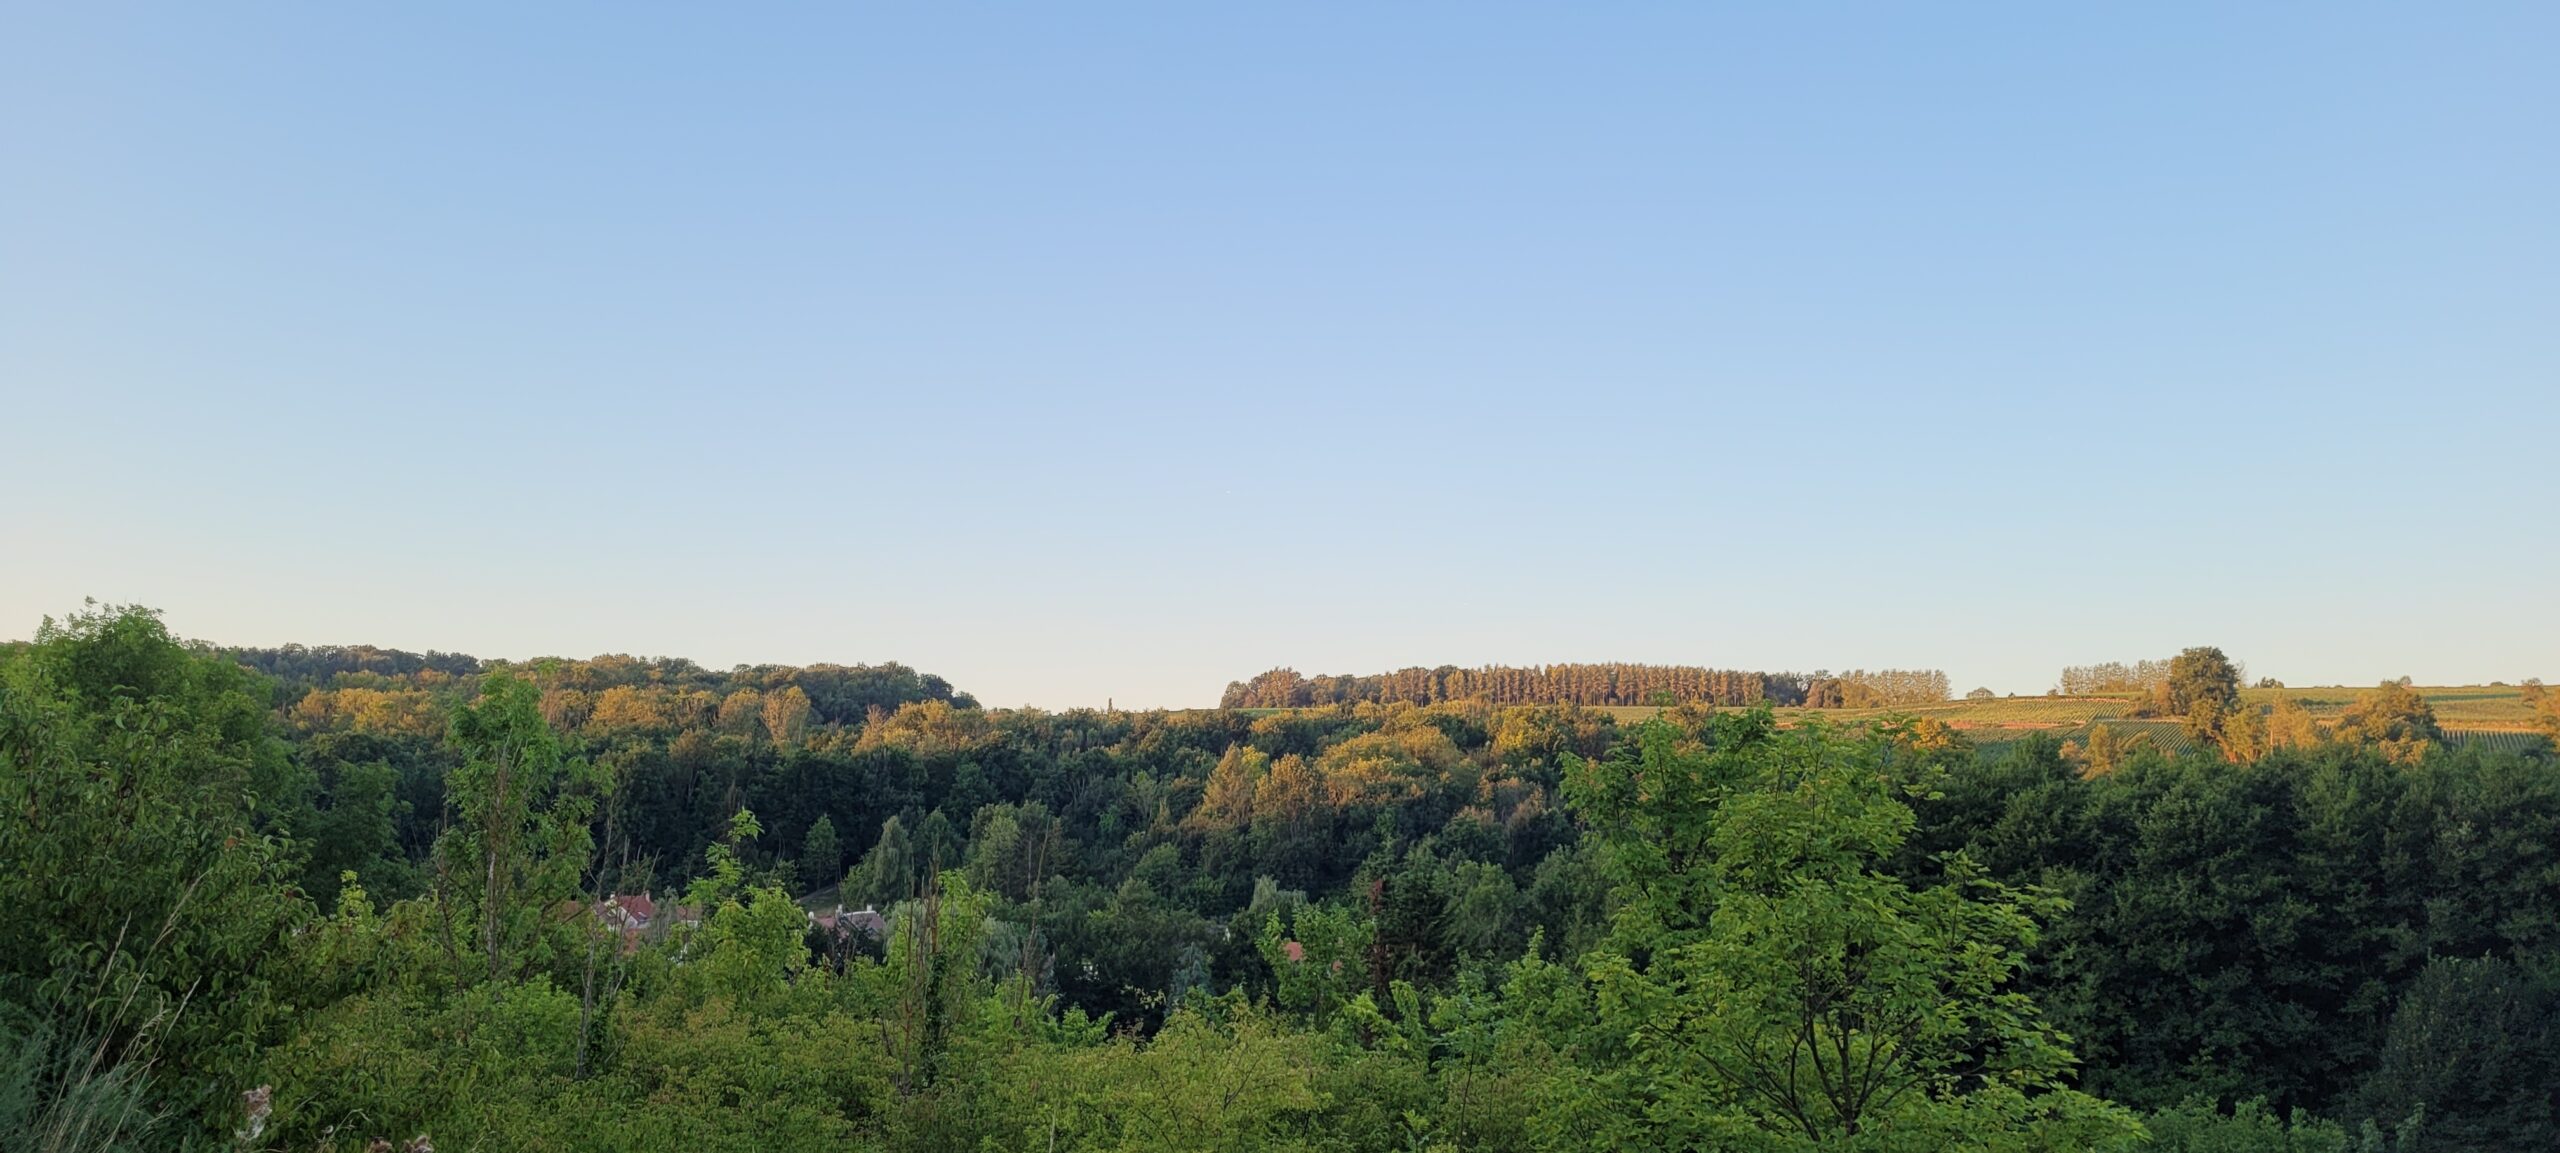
314	898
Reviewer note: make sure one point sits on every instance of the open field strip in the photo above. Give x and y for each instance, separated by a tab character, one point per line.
2494	716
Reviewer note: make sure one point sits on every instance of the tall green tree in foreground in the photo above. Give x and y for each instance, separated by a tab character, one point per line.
146	898
1775	988
520	843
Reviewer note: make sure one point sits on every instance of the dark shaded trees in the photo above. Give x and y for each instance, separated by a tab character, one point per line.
2241	933
2471	1059
1771	977
821	861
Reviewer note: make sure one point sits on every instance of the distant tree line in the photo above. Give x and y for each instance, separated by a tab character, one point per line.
2141	677
316	663
377	689
1613	683
2113	677
1881	688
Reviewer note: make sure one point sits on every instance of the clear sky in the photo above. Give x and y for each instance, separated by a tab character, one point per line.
1098	351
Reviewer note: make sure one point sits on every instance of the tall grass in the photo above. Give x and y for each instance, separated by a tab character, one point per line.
66	1094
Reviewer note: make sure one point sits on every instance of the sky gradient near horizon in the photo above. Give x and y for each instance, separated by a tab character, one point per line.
1117	351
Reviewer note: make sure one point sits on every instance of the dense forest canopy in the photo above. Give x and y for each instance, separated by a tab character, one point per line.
319	898
837	694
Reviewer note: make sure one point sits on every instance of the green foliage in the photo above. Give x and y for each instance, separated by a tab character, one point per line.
2203	687
1440	926
2473	1049
146	900
887	873
2198	1127
1319	958
520	840
1775	987
354	828
821	862
1483	900
1236	1080
2393	719
2246	933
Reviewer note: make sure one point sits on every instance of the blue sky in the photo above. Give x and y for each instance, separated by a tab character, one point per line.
1106	351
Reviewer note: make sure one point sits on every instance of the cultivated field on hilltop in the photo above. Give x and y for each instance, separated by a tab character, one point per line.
2500	715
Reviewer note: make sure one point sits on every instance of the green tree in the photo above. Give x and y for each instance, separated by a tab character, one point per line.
1777	988
2474	1051
2244	735
1131	948
145	890
937	845
354	828
520	843
1226	801
1483	902
1238	1080
786	716
887	874
2197	1126
2105	751
2392	718
1319	958
2291	726
2204	687
821	862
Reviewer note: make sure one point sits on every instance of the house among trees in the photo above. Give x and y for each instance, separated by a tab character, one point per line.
637	917
842	924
